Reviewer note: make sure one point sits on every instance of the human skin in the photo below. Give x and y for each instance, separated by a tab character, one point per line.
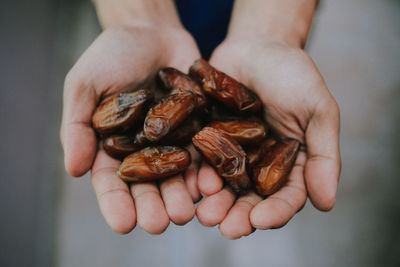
139	38
264	50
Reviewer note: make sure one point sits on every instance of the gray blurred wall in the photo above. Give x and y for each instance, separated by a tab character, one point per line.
50	219
37	47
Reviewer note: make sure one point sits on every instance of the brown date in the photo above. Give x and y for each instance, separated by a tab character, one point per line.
154	163
218	112
168	114
174	79
183	134
273	169
244	132
140	139
256	153
225	155
120	112
225	88
119	146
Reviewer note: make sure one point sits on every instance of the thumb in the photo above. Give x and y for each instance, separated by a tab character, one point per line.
323	163
77	136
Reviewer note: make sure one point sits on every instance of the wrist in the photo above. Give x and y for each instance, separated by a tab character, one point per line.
290	37
281	21
244	47
137	13
248	45
294	36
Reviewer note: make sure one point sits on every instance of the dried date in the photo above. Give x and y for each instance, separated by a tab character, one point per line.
244	132
256	153
225	88
154	163
119	146
225	155
120	112
183	134
272	171
174	79
168	114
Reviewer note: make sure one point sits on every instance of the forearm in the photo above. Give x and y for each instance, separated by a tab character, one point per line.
285	21
113	13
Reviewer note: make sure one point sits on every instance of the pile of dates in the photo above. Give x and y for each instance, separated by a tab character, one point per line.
219	115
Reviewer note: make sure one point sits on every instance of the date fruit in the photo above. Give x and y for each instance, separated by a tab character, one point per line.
174	79
154	163
225	88
147	137
120	112
183	134
243	132
272	171
168	114
225	155
120	146
256	153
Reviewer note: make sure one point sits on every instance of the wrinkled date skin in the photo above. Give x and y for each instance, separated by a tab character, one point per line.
174	79
154	163
256	153
226	156
120	146
272	171
120	112
168	114
242	131
224	88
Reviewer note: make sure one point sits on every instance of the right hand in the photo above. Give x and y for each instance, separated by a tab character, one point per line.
120	59
297	105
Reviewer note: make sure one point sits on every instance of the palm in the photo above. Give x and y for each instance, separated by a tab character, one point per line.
297	105
119	60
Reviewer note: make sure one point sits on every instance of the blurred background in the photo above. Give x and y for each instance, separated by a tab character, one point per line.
51	219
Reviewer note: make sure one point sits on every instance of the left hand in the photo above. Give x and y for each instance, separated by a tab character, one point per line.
298	105
123	58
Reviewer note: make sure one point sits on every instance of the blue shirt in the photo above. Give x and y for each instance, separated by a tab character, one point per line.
206	20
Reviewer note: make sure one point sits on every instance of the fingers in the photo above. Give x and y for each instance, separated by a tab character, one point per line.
213	209
191	182
250	211
276	210
177	200
209	181
237	223
190	175
115	201
323	165
151	213
76	131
